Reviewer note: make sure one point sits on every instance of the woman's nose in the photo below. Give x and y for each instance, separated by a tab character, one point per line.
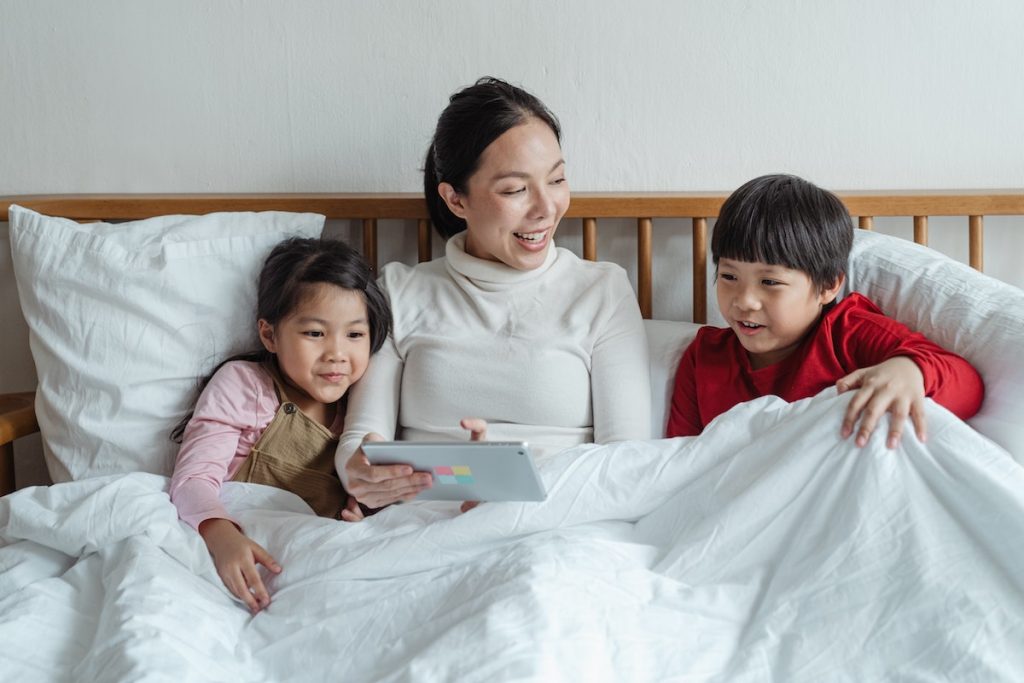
544	204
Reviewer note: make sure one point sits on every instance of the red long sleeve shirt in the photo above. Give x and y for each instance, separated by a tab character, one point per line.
715	374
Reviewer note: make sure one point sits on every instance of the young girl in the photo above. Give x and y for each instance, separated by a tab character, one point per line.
780	248
273	416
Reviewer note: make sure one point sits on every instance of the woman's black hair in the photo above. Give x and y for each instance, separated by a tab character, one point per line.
292	266
475	117
785	220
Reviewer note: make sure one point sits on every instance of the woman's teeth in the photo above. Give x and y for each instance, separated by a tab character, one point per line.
530	236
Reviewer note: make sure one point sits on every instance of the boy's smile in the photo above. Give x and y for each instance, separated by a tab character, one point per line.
769	307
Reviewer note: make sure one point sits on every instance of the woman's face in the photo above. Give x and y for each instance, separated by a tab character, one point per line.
515	199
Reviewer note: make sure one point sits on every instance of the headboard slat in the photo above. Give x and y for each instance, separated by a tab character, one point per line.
644	279
976	242
921	230
590	239
700	270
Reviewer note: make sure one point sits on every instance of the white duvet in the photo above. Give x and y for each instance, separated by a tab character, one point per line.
765	549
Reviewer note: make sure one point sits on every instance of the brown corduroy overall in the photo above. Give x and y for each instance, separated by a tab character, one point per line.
296	453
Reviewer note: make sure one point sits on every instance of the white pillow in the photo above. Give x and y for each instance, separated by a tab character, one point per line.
666	341
124	318
960	309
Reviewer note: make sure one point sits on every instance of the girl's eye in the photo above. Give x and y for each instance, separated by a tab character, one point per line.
770	283
314	333
558	182
727	276
356	335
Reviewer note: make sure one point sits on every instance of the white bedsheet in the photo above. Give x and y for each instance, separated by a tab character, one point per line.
766	549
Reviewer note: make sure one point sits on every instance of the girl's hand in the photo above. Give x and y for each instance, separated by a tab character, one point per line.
895	386
378	485
352	511
235	555
477	432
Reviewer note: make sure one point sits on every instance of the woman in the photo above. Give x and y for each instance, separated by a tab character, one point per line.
539	345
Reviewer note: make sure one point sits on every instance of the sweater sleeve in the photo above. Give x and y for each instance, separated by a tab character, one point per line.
372	404
227	407
949	379
620	370
684	412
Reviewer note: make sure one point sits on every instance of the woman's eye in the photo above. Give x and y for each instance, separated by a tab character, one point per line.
516	191
558	182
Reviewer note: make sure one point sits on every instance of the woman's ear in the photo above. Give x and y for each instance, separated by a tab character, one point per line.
829	293
452	198
266	331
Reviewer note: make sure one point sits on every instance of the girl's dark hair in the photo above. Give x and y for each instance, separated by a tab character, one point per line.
292	266
785	220
475	117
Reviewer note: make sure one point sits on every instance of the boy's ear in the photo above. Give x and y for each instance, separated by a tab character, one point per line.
829	293
453	199
266	331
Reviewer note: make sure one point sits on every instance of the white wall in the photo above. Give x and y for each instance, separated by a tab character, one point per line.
342	95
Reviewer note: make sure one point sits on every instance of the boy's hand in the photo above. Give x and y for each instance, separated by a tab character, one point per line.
235	555
895	386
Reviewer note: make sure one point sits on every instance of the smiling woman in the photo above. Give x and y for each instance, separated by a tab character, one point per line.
507	334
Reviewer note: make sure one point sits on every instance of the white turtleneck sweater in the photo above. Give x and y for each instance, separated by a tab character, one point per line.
554	356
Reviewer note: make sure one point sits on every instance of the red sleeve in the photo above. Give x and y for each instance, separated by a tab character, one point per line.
948	378
684	414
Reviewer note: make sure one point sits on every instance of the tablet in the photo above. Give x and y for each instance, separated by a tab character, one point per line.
466	470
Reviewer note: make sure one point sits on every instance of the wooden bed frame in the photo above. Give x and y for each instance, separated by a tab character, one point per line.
17	416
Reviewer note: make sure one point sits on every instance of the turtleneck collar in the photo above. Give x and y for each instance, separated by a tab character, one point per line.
483	272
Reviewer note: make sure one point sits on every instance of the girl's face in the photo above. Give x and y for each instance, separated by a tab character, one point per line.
323	346
770	308
515	199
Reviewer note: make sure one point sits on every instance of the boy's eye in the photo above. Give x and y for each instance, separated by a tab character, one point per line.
770	283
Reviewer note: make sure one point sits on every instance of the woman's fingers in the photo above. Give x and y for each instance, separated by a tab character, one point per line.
477	428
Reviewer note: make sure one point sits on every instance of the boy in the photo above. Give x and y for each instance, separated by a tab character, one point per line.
780	248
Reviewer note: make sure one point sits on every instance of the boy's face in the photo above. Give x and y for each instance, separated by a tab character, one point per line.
770	308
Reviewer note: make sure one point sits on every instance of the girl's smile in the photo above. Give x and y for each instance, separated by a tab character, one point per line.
323	347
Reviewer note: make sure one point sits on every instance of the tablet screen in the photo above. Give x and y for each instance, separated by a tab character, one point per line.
466	470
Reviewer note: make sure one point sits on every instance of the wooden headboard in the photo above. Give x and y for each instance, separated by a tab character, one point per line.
646	208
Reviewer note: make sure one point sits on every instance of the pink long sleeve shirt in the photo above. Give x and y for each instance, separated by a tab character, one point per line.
230	416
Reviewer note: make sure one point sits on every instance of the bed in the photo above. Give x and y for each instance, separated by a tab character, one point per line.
765	549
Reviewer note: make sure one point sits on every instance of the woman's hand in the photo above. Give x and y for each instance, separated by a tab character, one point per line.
477	432
378	485
476	426
895	386
236	555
